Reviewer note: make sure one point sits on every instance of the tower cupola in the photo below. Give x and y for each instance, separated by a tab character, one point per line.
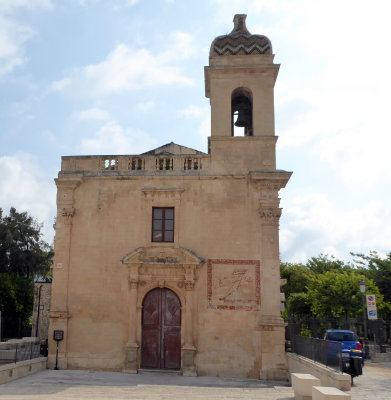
240	41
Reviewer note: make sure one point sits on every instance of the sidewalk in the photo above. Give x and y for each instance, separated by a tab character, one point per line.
68	384
374	384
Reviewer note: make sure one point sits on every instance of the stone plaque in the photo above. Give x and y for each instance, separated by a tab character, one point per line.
234	284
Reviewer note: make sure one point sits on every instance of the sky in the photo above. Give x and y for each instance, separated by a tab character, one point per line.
126	76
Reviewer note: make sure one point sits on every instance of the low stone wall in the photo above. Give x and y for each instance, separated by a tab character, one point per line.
10	372
327	376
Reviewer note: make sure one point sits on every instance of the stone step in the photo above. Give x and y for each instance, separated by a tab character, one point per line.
159	371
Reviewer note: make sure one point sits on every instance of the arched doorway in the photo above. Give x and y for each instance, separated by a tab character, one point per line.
161	330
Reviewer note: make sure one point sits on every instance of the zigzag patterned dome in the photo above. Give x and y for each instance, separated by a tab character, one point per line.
240	41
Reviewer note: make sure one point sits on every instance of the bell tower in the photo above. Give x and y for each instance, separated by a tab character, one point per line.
239	82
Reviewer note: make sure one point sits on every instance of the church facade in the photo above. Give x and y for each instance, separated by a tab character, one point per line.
169	260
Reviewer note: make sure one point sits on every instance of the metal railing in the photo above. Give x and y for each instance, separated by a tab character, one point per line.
14	352
322	351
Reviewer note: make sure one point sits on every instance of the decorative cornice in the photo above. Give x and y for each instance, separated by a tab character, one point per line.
162	255
270	216
69	182
163	192
275	180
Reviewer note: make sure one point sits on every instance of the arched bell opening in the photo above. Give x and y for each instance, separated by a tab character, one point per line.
241	112
161	330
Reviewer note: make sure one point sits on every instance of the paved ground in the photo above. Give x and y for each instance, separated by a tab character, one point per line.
375	384
67	385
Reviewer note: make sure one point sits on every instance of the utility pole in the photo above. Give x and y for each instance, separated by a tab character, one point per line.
364	314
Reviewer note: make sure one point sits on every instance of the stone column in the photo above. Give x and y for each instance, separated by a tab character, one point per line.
132	347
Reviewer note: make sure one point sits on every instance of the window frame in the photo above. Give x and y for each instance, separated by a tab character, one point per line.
163	229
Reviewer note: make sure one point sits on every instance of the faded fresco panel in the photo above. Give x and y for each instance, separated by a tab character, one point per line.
234	284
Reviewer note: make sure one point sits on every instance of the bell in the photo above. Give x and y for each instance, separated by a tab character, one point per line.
242	106
244	119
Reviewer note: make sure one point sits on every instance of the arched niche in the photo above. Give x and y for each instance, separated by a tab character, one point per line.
242	112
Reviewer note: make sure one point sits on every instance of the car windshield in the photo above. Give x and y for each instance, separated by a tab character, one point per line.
341	336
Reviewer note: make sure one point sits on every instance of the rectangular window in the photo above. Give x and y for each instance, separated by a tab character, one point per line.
162	224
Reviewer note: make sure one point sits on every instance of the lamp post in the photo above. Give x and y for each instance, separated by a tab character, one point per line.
364	316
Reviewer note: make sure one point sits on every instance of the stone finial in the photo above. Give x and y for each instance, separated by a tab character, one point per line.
240	24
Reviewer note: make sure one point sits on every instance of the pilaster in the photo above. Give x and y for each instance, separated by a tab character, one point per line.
132	347
59	315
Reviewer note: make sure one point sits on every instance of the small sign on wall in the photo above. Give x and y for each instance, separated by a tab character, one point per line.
58	335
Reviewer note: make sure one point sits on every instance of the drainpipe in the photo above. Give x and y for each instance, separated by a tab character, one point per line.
38	311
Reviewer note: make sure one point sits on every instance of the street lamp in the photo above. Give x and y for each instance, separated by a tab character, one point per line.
364	316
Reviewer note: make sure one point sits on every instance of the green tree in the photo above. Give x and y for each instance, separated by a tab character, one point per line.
22	251
378	269
24	256
324	263
297	276
337	293
16	296
298	304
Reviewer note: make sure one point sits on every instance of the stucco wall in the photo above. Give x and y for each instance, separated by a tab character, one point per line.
217	218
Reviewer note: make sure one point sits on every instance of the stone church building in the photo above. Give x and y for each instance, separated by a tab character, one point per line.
169	260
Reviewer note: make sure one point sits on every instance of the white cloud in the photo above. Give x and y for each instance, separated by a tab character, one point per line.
182	46
112	138
193	111
131	3
146	106
116	4
95	114
12	39
84	3
311	224
25	186
127	69
59	85
8	6
199	113
345	125
13	34
346	90
204	127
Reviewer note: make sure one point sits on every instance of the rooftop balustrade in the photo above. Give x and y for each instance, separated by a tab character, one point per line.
135	163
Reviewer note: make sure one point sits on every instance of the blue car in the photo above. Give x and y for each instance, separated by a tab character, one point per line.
351	349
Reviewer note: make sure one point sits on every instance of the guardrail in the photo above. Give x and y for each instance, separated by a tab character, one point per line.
14	352
319	350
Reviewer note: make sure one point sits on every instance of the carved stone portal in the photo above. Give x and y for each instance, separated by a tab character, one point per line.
161	266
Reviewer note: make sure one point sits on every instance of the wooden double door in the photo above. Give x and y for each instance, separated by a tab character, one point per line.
161	330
